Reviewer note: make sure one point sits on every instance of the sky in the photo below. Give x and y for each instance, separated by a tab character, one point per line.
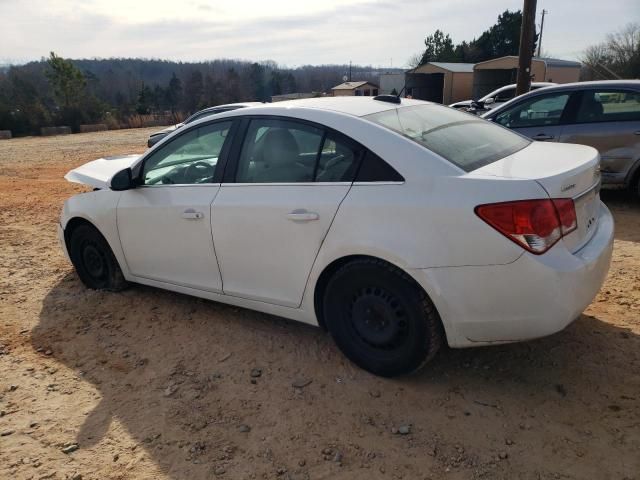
380	33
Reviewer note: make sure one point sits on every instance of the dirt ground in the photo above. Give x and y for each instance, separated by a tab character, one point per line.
152	384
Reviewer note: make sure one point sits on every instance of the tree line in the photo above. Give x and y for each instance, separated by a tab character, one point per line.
58	91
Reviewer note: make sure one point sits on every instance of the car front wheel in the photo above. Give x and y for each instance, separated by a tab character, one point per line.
380	318
94	261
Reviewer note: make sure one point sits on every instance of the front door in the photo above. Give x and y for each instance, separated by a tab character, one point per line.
165	224
269	224
539	118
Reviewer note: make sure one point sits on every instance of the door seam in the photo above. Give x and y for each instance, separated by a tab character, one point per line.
213	242
306	285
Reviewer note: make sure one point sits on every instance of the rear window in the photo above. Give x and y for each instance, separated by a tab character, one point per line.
466	141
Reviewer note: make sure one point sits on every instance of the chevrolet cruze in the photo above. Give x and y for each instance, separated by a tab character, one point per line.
397	225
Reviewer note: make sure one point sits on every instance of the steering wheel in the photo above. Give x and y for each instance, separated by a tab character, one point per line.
197	172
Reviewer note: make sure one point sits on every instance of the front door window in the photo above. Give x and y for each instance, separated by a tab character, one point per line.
537	112
190	158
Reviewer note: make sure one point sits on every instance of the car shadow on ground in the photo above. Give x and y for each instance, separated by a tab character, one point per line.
181	376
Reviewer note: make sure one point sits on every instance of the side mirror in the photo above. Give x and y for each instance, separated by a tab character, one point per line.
122	180
489	101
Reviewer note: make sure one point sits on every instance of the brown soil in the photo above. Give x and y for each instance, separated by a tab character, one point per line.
153	384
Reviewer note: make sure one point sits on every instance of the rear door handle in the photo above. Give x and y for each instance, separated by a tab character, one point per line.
191	214
302	215
637	132
543	136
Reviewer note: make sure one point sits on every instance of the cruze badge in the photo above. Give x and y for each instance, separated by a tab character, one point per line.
568	187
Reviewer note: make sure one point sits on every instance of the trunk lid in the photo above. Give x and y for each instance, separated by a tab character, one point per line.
564	171
98	173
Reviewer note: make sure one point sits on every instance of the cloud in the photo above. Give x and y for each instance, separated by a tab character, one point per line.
292	33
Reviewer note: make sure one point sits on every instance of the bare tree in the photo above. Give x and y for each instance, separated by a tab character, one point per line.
617	57
414	60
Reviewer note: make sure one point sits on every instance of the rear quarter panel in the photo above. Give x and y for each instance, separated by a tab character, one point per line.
425	224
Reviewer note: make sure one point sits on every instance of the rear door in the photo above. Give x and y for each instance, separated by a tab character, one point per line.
540	117
608	120
285	183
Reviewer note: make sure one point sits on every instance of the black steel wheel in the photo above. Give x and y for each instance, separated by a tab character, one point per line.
93	259
380	318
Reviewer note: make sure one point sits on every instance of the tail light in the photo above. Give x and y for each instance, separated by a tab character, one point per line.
535	225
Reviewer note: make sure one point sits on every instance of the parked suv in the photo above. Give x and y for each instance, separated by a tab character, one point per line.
604	115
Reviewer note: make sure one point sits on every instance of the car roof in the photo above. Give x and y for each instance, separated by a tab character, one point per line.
600	84
633	84
593	84
356	106
533	84
229	105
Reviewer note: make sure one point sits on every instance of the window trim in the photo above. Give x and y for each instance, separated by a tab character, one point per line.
138	169
233	160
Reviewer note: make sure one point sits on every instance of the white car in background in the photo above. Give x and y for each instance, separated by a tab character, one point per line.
498	97
395	224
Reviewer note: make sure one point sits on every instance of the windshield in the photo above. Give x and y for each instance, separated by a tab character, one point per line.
465	140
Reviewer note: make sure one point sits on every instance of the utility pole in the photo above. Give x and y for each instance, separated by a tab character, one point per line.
527	31
349	70
544	12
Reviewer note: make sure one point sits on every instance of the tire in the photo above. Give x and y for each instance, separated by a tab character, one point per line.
380	318
94	261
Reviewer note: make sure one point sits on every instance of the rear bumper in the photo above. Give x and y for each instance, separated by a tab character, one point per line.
532	297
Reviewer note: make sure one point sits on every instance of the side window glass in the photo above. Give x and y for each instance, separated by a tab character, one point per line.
506	95
338	160
375	169
190	158
536	112
608	106
279	151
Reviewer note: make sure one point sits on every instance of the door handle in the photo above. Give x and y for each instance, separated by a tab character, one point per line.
302	215
637	132
543	137
191	214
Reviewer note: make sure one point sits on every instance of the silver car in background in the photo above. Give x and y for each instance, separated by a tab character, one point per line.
156	137
603	114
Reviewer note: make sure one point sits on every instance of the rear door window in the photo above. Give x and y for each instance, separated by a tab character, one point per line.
608	106
505	95
338	159
279	151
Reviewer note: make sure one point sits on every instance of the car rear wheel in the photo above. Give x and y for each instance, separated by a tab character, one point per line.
94	261
380	318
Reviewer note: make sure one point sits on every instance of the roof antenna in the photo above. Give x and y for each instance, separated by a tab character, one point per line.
391	98
396	98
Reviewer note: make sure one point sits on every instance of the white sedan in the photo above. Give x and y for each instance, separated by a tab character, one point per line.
394	224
